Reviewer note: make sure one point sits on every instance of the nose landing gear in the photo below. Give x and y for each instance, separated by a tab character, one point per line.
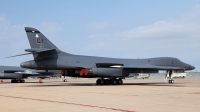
170	81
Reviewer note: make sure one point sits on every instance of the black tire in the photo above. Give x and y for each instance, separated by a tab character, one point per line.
98	82
172	81
107	81
114	81
110	81
14	81
22	81
120	82
102	81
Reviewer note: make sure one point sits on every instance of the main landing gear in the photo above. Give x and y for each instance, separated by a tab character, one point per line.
18	81
114	81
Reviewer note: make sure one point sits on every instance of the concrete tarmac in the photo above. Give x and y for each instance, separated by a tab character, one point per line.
83	95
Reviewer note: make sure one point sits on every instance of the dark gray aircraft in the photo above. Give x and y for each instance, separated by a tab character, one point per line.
18	74
108	70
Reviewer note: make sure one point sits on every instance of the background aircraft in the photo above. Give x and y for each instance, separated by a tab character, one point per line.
18	74
108	70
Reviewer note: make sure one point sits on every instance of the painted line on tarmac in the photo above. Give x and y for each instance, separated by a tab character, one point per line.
77	104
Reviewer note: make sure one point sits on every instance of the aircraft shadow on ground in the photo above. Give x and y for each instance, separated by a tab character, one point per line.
93	84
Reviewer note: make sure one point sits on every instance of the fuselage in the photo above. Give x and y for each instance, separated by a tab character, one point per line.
69	61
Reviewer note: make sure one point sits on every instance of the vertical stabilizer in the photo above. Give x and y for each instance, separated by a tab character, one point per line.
41	47
37	39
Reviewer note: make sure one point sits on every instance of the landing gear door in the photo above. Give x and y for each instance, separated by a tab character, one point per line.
125	72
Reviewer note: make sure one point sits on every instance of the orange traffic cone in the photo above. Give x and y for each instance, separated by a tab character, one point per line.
40	81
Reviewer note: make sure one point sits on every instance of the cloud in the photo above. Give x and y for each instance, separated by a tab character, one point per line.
187	26
163	29
95	46
11	36
100	25
9	31
101	36
174	37
51	28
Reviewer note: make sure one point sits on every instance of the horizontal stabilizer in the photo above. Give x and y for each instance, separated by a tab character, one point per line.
38	50
32	51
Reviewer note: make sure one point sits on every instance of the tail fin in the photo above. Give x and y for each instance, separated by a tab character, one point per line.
41	47
38	40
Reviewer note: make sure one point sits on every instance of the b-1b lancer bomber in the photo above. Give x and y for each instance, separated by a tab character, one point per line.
108	70
18	74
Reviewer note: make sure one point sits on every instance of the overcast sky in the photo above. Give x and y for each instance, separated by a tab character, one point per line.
106	28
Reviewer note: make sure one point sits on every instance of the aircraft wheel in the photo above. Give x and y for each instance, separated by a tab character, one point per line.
110	81
65	80
114	81
98	81
107	81
12	81
171	81
102	81
22	81
120	82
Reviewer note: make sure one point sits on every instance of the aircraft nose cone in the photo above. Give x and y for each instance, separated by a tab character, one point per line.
190	67
193	67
